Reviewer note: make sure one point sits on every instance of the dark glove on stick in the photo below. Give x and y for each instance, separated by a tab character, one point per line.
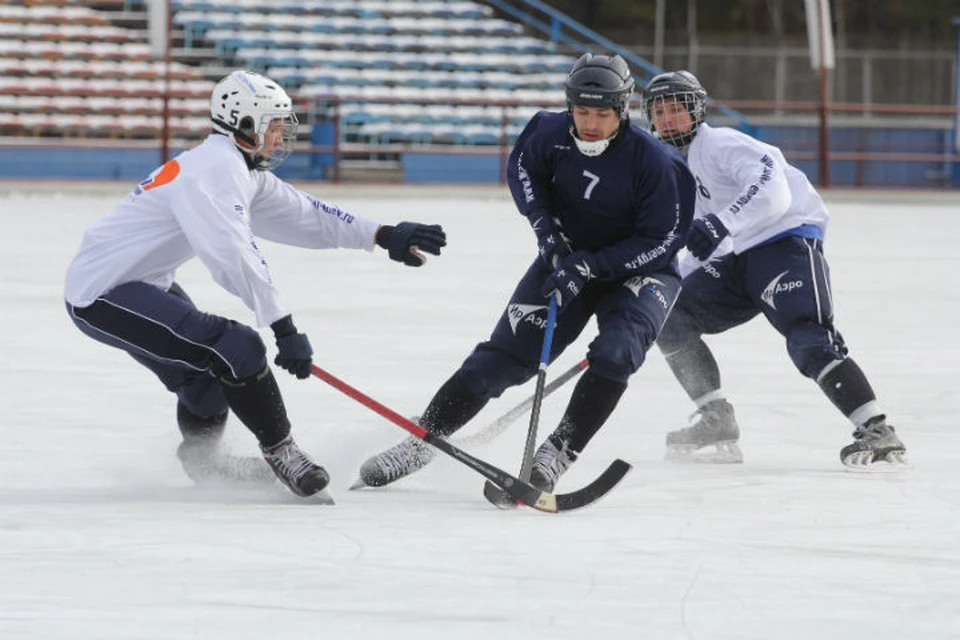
294	352
405	241
552	245
568	279
705	234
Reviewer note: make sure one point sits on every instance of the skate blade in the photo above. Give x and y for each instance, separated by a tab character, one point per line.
723	453
863	462
359	484
322	497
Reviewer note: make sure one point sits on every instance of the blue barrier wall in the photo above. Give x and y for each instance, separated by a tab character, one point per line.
97	164
135	164
871	173
450	168
122	164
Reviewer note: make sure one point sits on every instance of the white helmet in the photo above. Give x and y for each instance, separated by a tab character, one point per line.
244	105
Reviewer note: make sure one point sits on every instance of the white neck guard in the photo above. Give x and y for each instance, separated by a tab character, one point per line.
592	149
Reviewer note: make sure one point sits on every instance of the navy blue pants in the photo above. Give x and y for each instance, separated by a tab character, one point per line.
788	281
629	312
187	349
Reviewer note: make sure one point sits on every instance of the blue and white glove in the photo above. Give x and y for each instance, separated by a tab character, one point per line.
568	279
705	234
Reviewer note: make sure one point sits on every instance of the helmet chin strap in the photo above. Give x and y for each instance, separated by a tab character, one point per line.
251	148
255	159
591	148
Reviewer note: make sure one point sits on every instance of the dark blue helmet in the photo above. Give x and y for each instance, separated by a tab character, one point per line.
684	88
600	81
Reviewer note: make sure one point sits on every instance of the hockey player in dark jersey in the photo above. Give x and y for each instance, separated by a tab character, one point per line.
609	207
756	246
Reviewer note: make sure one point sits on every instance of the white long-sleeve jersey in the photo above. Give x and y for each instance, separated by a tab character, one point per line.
749	185
207	203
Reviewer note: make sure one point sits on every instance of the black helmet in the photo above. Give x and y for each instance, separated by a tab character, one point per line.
600	81
683	87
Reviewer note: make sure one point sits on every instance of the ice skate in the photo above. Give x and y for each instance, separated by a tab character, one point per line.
396	462
712	438
551	461
874	443
295	469
205	464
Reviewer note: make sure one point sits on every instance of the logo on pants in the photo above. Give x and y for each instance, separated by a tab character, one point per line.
709	269
526	313
638	283
776	287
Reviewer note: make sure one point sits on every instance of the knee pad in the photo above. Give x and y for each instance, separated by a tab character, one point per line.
242	353
812	347
620	350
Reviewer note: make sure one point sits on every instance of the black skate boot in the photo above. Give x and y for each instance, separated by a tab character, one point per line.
551	461
396	462
874	442
716	427
295	469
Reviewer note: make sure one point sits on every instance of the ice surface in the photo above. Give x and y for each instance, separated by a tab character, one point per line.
102	536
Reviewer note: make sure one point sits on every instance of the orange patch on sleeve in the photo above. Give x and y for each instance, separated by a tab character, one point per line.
167	173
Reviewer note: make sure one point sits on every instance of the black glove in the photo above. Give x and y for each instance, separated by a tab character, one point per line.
569	278
405	241
553	245
705	234
293	348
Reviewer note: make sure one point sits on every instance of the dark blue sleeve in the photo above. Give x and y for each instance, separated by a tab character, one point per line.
666	194
529	174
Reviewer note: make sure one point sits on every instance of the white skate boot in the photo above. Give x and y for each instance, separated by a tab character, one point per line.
715	427
396	462
874	442
551	461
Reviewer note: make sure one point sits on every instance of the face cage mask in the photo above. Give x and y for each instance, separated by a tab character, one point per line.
694	106
287	123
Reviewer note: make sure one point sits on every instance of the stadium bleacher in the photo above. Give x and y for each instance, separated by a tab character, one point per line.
356	52
67	69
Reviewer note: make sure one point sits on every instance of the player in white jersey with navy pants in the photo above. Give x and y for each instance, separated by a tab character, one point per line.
212	202
755	246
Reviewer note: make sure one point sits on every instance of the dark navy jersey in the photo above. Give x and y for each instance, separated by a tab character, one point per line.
631	206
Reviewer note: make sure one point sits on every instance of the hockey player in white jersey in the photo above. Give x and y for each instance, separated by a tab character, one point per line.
212	202
755	246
